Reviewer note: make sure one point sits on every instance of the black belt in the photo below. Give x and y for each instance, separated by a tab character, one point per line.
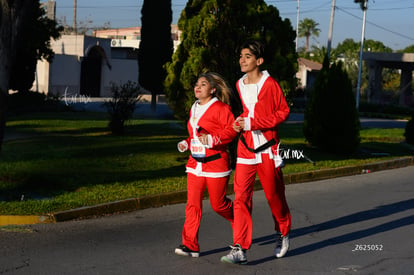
207	159
261	147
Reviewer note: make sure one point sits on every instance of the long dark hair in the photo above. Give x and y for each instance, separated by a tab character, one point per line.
217	82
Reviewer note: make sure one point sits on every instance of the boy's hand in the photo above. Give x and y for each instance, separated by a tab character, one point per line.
203	139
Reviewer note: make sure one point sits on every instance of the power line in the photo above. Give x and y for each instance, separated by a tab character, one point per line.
321	7
112	6
376	25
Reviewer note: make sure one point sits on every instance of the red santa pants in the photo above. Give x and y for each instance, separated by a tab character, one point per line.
271	179
217	188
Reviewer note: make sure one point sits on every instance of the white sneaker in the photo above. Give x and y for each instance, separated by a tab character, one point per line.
237	255
182	250
282	245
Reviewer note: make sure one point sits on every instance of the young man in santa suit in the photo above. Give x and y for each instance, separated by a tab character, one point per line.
264	108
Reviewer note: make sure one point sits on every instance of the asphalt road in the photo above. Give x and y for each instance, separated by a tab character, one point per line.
360	224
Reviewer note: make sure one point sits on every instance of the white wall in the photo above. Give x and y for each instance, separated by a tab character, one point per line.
65	71
69	45
122	71
41	82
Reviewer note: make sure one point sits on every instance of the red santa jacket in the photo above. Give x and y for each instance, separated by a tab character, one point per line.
216	121
270	110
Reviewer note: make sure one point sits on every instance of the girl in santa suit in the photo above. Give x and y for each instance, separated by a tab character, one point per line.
210	131
264	108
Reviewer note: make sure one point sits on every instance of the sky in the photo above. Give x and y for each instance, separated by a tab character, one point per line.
388	21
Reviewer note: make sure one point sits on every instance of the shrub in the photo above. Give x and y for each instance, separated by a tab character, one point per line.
331	119
23	102
121	106
409	131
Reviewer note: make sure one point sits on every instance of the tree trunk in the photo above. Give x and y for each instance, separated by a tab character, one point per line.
11	15
3	114
153	101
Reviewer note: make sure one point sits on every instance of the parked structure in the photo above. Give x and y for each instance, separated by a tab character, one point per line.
377	61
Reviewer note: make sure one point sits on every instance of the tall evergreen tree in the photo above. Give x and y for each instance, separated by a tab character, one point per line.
38	29
156	46
212	31
12	17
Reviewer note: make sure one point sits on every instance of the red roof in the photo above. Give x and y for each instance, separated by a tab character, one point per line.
309	64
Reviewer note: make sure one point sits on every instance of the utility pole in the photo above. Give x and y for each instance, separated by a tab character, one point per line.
74	16
364	7
297	25
331	30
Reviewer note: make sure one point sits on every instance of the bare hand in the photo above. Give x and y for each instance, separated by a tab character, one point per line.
182	147
238	124
203	139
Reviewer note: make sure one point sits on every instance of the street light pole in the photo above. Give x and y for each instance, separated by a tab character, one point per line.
74	16
331	30
297	25
364	6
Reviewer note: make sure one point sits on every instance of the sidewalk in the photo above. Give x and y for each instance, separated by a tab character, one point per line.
142	108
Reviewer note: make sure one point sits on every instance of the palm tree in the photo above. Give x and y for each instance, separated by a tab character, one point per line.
308	27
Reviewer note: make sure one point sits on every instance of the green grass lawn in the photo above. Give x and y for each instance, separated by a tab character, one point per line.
68	160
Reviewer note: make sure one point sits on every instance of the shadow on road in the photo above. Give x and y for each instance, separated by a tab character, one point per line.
377	212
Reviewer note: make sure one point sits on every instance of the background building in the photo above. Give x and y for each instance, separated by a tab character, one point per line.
123	37
307	72
85	65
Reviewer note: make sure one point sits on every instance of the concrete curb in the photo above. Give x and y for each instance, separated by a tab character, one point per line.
121	206
181	197
17	220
